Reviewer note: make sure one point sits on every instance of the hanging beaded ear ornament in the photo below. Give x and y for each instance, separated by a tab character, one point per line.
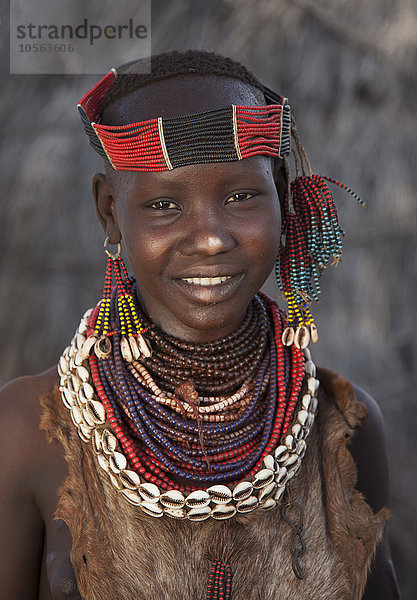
132	342
86	393
311	237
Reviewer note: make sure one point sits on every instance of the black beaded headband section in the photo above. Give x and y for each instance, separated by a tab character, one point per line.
164	143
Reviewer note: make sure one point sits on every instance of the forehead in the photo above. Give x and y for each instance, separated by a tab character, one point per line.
209	179
180	95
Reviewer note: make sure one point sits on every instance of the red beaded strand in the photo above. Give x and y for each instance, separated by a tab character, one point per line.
152	469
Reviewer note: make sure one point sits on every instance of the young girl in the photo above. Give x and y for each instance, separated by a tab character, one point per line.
186	446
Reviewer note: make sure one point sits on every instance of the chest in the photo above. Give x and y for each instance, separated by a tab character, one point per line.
119	552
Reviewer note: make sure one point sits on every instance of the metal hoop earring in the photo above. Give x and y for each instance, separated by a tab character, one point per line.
117	254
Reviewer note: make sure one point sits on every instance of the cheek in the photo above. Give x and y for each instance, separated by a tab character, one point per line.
145	252
263	238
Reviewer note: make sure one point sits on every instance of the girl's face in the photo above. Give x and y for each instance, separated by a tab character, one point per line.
201	239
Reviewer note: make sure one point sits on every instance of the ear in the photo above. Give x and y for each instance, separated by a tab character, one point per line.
280	178
103	194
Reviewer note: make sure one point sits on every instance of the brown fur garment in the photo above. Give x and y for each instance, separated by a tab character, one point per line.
119	553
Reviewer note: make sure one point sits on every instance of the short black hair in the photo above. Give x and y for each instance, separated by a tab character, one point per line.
173	64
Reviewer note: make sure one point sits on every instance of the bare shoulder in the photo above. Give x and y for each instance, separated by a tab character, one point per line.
20	399
22	442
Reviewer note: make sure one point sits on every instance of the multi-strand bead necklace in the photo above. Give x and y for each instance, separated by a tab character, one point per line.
194	430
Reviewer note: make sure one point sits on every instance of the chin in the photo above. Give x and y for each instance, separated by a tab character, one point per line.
213	321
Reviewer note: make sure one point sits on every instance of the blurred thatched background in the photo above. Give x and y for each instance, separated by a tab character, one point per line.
349	70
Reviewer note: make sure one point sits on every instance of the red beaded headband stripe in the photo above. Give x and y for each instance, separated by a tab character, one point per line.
225	134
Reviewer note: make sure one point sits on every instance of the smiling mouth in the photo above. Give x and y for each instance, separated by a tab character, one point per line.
210	290
206	281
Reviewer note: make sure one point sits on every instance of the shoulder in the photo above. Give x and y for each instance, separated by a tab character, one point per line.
23	445
369	450
365	435
20	399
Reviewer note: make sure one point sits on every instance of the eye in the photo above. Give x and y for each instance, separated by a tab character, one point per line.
164	205
240	197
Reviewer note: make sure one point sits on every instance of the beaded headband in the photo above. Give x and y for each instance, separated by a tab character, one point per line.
164	143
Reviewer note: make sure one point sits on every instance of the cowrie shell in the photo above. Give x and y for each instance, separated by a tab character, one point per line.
268	504
96	411
282	476
172	499
79	340
63	365
263	478
287	337
87	314
83	373
152	509
247	505
291	460
149	492
103	462
144	346
302	417
242	491
83	353
175	513
68	398
199	514
307	353
280	451
132	496
269	462
117	462
82	327
85	433
310	368
96	441
115	481
220	494
88	417
301	448
102	347
130	479
76	415
312	385
108	442
289	442
278	494
301	337
198	498
88	390
297	431
267	492
134	348
305	402
125	349
314	334
222	512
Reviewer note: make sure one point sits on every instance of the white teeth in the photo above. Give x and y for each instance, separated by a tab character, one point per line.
207	280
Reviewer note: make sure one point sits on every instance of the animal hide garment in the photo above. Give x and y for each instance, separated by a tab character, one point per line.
120	553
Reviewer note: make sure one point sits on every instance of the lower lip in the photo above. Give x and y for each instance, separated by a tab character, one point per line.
210	293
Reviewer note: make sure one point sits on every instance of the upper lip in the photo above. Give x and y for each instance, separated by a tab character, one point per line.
214	271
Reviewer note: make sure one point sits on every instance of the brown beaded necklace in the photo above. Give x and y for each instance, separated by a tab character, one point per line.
218	368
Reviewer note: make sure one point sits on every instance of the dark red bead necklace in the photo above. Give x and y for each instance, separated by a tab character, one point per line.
168	439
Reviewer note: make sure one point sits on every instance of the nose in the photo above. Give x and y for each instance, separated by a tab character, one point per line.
206	233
